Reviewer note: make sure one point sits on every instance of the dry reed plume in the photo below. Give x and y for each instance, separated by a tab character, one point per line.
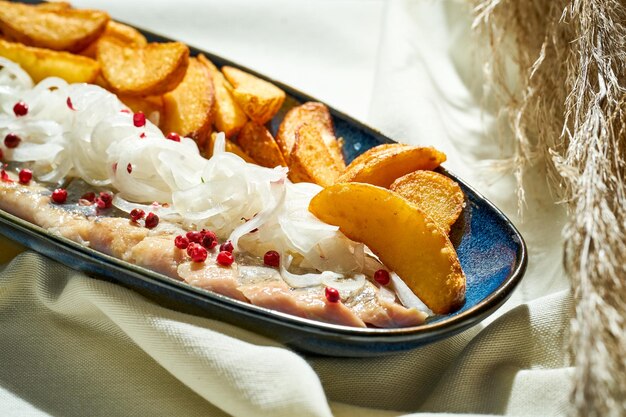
567	110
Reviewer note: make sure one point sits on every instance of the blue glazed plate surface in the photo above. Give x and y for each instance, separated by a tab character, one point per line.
491	251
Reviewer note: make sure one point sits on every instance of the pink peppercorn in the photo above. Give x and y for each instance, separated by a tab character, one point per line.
181	242
59	196
197	252
271	258
225	258
25	176
382	277
332	295
152	220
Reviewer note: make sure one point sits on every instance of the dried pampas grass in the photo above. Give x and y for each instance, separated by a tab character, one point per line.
568	111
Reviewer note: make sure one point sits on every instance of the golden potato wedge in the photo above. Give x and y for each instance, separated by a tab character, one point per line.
257	141
41	63
151	106
54	5
317	115
435	194
230	147
382	166
51	27
310	160
188	108
259	99
152	70
377	151
404	238
119	31
228	117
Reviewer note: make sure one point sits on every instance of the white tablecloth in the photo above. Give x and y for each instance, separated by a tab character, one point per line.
74	346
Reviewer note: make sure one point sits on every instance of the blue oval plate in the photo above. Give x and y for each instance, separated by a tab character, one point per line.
492	254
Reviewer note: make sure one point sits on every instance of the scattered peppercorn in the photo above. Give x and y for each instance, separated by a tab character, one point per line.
225	258
193	236
209	239
137	214
25	175
59	196
181	242
227	246
152	220
90	196
20	109
197	252
12	140
332	295
271	258
139	119
382	277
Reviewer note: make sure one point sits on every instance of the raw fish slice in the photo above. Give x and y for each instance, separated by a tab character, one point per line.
212	277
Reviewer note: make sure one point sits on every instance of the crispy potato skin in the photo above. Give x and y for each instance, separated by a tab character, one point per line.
383	164
154	69
119	31
188	108
310	160
42	63
54	5
435	194
53	27
259	99
314	114
257	141
402	236
228	117
377	151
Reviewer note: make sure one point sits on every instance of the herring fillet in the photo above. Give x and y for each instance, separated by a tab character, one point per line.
154	249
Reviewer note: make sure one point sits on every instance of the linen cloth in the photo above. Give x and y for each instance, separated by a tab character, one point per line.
71	345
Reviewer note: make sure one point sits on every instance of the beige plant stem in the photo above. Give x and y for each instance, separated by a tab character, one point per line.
568	110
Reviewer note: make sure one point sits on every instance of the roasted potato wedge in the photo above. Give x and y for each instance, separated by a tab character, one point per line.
257	141
435	194
152	70
314	114
54	5
188	108
230	147
377	151
57	28
381	166
119	31
151	106
401	235
228	117
41	63
259	99
310	160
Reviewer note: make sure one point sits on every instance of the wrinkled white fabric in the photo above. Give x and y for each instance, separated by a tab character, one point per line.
71	345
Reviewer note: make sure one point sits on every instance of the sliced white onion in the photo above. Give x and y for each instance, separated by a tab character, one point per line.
11	74
345	285
220	144
386	294
406	296
295	280
278	192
